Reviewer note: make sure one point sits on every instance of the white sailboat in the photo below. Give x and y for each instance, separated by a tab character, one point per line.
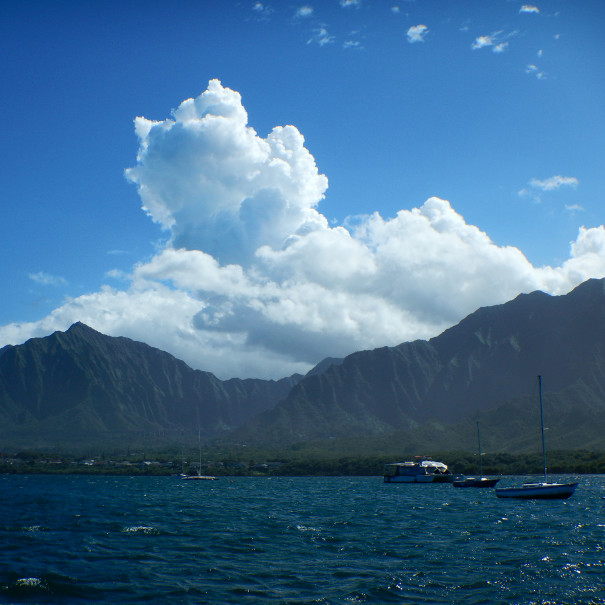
199	476
542	490
479	481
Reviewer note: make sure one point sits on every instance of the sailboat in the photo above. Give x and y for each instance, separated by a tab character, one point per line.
543	490
480	481
199	476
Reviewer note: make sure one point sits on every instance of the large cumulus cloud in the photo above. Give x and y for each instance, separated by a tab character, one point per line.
254	282
217	186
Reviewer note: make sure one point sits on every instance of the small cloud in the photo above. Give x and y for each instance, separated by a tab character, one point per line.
540	53
304	12
528	8
533	70
554	182
46	279
118	274
350	3
395	9
352	44
321	37
482	42
536	186
262	9
416	33
496	41
573	208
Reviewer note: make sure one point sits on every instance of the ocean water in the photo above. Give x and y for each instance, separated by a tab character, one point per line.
82	539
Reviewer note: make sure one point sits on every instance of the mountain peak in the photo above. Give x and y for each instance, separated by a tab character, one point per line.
80	327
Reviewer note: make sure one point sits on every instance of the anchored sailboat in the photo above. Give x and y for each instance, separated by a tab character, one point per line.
199	476
480	481
543	490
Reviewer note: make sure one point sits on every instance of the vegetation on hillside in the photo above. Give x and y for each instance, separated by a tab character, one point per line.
265	463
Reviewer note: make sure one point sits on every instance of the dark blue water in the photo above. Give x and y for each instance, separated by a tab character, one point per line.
78	539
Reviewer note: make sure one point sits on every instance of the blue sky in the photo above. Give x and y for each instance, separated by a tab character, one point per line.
436	156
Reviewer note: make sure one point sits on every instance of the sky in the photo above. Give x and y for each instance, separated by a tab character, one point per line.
254	186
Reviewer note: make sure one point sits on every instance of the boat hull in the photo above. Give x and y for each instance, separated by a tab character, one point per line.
538	491
418	479
475	482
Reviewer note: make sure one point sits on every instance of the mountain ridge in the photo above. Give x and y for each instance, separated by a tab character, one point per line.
83	382
485	361
81	385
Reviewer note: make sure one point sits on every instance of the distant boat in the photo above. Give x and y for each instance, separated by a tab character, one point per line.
542	490
199	476
423	470
480	481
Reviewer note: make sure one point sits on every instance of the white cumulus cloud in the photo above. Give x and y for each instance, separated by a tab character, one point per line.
254	282
417	33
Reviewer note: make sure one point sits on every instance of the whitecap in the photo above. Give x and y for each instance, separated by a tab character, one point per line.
140	529
33	528
28	582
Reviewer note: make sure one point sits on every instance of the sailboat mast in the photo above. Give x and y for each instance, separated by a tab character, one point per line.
479	446
542	425
199	441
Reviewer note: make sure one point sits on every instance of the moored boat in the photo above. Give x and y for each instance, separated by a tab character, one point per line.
542	490
480	481
475	482
423	470
199	476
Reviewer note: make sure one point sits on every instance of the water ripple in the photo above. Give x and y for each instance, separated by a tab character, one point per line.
294	540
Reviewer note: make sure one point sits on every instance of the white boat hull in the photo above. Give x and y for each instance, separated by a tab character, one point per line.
475	482
543	491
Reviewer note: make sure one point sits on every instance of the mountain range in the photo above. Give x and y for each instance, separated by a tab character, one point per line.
80	385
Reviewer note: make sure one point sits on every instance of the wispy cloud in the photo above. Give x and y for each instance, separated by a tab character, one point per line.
497	41
352	44
554	182
482	42
573	208
537	187
528	8
350	3
416	33
321	37
46	279
535	71
262	9
395	9
304	12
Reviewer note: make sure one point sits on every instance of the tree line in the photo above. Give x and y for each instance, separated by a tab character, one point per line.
287	464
